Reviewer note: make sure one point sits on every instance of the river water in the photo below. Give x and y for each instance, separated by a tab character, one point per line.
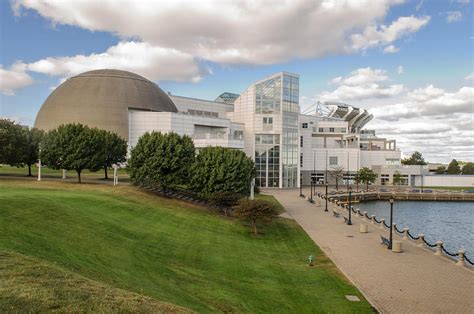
450	222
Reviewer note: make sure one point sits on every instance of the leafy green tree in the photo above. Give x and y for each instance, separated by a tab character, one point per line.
337	172
397	178
415	159
468	168
12	143
161	160
225	200
72	147
453	167
366	175
114	150
219	169
441	170
32	140
255	210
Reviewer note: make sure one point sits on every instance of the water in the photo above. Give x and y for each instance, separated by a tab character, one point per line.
450	222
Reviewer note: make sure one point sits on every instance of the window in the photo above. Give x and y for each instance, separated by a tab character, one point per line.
267	120
333	161
331	130
301	141
321	130
305	125
301	160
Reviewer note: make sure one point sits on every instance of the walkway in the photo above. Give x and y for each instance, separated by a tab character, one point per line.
415	281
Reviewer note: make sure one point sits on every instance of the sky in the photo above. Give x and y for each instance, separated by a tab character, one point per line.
410	63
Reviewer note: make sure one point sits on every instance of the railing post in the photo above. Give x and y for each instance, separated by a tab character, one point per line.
461	261
372	219
382	223
405	234
421	240
364	217
439	248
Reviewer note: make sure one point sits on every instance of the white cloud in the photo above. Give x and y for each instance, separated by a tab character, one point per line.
362	83
463	1
453	16
14	78
400	69
391	49
470	77
233	32
374	35
154	63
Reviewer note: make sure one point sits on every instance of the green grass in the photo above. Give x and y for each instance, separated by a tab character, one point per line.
34	286
169	250
46	172
271	199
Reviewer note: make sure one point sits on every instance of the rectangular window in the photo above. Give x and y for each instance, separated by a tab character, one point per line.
267	120
321	130
301	141
301	160
331	130
333	161
305	125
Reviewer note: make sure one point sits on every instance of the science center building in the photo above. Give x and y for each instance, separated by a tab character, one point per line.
264	121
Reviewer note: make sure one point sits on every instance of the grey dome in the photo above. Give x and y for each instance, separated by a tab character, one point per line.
101	98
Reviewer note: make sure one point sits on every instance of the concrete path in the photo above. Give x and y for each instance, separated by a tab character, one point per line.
415	281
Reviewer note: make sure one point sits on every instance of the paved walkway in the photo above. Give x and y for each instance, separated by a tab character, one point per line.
415	281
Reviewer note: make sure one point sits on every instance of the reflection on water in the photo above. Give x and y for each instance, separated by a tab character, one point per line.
450	222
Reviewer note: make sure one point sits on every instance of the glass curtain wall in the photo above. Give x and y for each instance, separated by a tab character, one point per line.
290	139
267	160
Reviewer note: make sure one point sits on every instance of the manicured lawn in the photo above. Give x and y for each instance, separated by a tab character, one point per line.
169	250
34	286
6	170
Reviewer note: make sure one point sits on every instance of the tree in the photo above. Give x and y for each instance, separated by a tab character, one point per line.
12	143
415	159
397	178
453	167
468	168
72	147
254	210
161	160
30	151
366	175
225	200
114	150
441	170
219	169
337	172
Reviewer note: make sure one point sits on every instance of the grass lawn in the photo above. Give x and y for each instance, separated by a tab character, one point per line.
46	172
22	277
271	199
168	250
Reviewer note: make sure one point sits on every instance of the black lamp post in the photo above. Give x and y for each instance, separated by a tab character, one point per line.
311	192
326	209
349	222
391	222
301	186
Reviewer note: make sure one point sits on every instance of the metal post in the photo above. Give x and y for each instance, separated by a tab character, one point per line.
301	186
349	222
391	223
326	209
39	166
64	174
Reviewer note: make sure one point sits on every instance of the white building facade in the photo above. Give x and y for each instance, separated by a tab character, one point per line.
265	122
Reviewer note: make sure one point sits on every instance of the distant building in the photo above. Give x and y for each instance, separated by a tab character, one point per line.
264	121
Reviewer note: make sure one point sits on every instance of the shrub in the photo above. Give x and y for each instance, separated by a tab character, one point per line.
255	210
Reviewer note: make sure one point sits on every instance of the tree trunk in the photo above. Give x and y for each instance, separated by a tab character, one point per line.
29	170
79	176
105	170
367	185
254	225
337	187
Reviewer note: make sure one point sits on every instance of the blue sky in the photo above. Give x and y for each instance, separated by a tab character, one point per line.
397	58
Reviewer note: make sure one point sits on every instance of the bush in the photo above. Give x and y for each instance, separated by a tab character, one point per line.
219	169
225	200
161	160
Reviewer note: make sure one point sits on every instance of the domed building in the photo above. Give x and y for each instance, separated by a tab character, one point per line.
102	99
